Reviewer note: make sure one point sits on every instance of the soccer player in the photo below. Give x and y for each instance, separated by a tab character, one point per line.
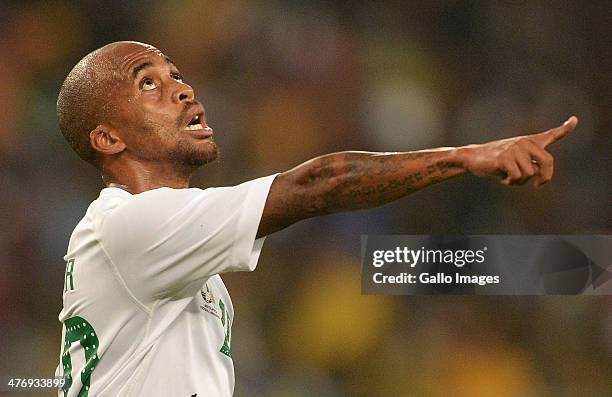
145	312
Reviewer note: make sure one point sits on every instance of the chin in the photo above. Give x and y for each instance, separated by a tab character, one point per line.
196	155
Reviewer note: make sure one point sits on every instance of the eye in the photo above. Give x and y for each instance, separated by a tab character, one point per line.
147	84
177	77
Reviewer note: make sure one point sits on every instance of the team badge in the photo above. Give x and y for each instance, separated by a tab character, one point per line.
207	295
209	301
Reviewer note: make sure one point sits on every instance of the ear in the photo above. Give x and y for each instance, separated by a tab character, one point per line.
105	140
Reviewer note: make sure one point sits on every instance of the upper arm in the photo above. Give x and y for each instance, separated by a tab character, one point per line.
279	205
300	193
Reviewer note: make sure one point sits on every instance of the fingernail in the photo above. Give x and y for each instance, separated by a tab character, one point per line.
567	122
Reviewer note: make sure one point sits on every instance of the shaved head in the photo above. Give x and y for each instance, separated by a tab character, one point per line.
87	97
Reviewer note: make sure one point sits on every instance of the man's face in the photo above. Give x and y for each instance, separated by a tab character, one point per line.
157	115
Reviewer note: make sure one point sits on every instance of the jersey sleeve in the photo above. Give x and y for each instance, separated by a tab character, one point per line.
163	240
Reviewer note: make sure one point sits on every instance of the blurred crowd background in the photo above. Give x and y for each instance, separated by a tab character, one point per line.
284	81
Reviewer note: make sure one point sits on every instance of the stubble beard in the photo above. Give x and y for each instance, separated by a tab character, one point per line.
191	156
188	154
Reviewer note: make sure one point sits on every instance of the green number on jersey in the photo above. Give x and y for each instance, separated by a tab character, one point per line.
225	349
69	279
79	330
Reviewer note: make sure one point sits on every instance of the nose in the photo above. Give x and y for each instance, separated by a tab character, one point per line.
183	93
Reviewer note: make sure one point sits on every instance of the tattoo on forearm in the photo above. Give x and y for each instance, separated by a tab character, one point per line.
353	180
362	180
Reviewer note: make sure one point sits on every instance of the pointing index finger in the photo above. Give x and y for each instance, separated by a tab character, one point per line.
551	136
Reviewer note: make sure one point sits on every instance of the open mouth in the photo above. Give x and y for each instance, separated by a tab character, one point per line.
195	123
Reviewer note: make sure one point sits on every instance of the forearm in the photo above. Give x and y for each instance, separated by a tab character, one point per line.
354	180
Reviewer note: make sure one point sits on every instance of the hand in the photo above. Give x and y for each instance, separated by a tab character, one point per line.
515	161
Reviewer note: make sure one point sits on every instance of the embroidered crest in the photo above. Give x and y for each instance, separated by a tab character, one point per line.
209	301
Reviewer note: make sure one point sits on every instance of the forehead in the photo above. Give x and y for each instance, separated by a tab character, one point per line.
131	55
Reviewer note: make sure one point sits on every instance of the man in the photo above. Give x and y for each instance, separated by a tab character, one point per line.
145	310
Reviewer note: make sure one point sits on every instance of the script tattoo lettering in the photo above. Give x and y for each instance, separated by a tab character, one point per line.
351	180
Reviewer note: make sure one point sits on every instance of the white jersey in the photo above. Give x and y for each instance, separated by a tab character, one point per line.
145	311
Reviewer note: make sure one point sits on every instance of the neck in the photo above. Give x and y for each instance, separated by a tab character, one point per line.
137	177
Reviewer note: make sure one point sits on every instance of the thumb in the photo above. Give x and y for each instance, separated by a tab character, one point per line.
553	135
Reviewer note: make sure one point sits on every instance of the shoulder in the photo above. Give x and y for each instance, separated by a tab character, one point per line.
115	202
118	208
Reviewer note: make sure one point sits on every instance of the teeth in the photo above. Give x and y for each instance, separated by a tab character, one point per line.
194	127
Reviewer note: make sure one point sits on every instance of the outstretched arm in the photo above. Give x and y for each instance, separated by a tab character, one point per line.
356	180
